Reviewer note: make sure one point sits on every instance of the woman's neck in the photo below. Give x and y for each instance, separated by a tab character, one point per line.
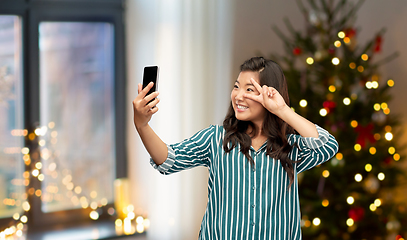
255	133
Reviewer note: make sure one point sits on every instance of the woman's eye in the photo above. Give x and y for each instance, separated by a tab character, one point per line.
250	90
235	86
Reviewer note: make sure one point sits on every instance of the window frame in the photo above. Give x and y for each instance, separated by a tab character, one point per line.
32	12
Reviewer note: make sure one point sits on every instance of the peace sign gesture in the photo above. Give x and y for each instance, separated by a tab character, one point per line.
269	97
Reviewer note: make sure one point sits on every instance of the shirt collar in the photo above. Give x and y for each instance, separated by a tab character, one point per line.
261	148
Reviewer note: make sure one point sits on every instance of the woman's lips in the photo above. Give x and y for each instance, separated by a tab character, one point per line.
241	108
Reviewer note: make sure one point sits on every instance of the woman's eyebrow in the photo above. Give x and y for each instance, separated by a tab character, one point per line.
250	84
247	84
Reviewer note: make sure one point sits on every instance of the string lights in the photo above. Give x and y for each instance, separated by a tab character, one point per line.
35	170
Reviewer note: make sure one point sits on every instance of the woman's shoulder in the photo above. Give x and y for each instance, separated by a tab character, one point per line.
212	130
216	127
218	130
218	134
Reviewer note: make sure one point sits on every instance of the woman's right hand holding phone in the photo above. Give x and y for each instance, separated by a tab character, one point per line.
142	107
143	110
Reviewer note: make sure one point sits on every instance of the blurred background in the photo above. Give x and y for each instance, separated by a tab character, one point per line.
69	152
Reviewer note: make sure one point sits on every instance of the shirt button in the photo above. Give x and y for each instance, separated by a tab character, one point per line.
253	187
253	206
253	169
253	223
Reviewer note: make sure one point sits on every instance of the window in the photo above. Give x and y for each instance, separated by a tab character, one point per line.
11	122
66	110
76	114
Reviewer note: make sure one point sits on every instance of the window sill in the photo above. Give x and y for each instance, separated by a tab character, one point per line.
97	230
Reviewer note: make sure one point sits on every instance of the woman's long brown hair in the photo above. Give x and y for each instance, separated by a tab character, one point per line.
274	128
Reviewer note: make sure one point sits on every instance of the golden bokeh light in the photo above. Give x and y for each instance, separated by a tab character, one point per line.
335	61
368	167
375	84
390	83
376	107
316	221
392	150
323	112
310	60
303	103
358	177
388	136
384	105
372	150
350	200
381	176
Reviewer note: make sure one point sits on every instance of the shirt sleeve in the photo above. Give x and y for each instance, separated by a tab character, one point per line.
310	151
192	152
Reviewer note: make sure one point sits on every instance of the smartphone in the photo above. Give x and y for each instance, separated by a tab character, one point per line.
150	75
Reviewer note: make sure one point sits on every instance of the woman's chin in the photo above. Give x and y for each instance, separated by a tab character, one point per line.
240	117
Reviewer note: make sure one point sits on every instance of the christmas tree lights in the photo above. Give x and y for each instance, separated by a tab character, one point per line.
335	82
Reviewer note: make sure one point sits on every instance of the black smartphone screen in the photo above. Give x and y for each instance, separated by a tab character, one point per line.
150	75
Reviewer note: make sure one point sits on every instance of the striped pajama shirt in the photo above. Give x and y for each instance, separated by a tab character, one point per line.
246	202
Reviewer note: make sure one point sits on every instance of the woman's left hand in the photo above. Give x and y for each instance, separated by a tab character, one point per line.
269	97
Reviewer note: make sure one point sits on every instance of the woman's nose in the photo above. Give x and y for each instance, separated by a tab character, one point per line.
239	95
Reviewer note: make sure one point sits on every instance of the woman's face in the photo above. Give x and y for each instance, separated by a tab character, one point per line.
247	109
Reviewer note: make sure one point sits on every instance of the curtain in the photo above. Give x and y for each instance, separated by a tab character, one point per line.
191	42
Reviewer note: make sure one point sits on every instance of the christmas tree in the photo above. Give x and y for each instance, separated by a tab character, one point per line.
335	82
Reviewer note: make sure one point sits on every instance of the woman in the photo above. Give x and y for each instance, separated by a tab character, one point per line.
253	159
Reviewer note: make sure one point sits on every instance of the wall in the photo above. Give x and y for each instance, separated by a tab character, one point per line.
191	42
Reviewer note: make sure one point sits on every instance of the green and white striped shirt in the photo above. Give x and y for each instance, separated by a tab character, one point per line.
247	202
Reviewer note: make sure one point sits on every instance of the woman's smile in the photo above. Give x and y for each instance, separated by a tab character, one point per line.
241	108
